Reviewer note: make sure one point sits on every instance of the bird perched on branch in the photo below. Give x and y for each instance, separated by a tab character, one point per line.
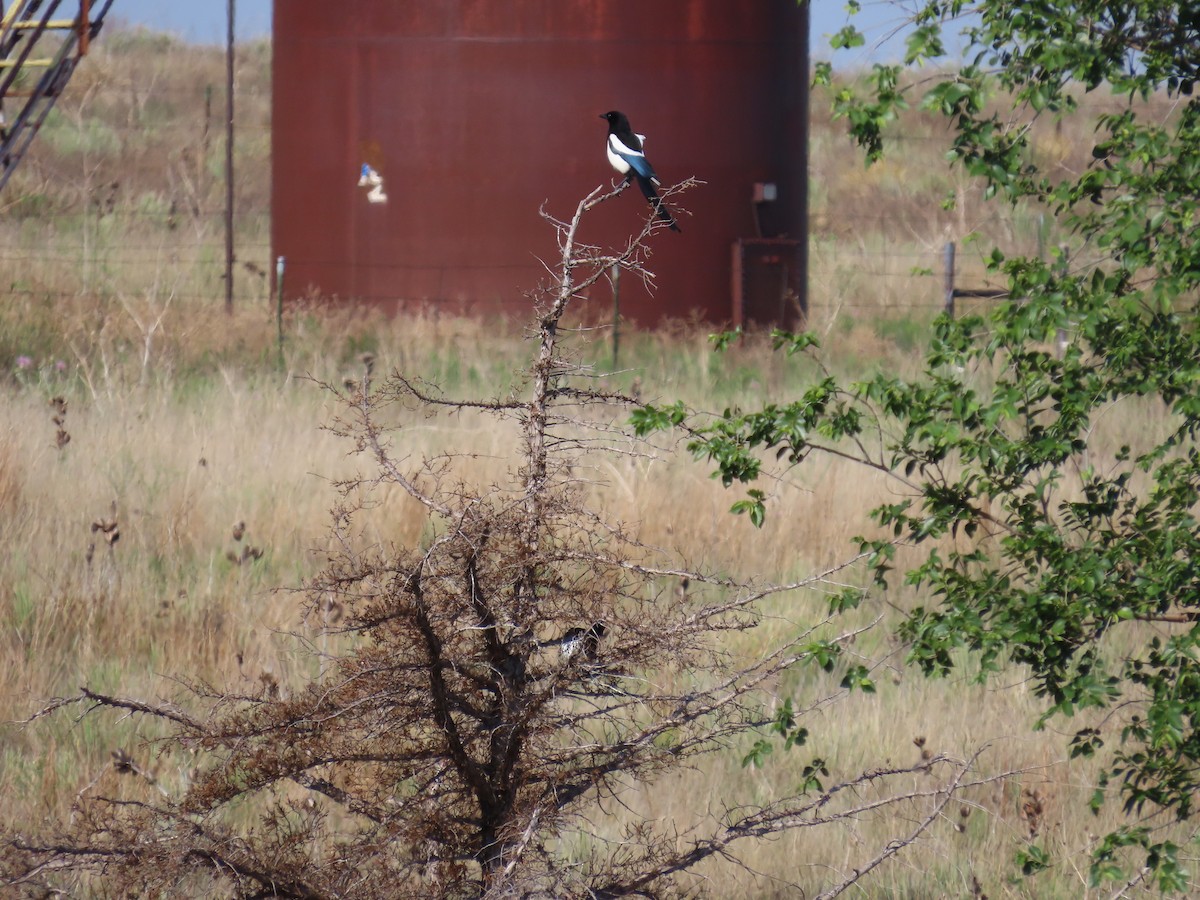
582	644
627	155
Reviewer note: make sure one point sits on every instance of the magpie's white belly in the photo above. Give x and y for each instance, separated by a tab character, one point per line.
617	162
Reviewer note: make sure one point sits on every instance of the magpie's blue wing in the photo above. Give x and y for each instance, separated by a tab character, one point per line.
635	159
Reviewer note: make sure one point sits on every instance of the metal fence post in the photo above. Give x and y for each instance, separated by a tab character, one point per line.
616	292
279	265
1064	262
229	159
948	276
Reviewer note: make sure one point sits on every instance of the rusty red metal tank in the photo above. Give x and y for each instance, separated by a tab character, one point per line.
474	113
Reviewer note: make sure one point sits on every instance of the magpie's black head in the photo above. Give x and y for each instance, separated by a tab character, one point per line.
616	120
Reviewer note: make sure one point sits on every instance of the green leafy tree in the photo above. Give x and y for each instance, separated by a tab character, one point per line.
1044	540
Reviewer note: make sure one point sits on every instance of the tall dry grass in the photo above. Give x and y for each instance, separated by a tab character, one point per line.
184	423
187	452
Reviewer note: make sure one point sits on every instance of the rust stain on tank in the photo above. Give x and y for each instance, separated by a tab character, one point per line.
473	113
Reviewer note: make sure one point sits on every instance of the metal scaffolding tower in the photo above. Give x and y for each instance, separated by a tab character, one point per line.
38	54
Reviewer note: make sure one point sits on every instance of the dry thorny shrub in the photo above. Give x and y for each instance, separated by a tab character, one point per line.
498	690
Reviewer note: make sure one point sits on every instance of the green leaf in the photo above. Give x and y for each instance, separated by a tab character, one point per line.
1033	859
758	753
848	37
648	419
755	506
925	42
811	775
723	339
858	677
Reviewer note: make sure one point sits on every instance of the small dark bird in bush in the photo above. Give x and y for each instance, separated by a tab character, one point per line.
582	643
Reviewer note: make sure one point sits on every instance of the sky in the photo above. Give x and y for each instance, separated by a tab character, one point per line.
203	21
199	21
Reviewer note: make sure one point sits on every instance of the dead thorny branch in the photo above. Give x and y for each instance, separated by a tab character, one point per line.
488	692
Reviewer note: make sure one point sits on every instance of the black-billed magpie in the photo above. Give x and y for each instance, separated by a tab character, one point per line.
627	156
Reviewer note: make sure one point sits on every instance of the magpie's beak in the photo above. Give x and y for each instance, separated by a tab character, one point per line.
602	116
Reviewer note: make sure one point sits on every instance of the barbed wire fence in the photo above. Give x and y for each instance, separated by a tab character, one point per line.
122	191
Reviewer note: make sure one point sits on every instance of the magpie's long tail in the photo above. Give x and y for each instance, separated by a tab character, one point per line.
659	207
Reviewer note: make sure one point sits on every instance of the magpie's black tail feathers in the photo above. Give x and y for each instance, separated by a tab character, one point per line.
659	207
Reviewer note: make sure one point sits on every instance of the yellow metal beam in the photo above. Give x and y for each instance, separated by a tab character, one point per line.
11	23
53	23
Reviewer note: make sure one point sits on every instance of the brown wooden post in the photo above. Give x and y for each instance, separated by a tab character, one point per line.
85	27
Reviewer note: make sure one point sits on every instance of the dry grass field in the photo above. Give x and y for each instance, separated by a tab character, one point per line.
201	440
